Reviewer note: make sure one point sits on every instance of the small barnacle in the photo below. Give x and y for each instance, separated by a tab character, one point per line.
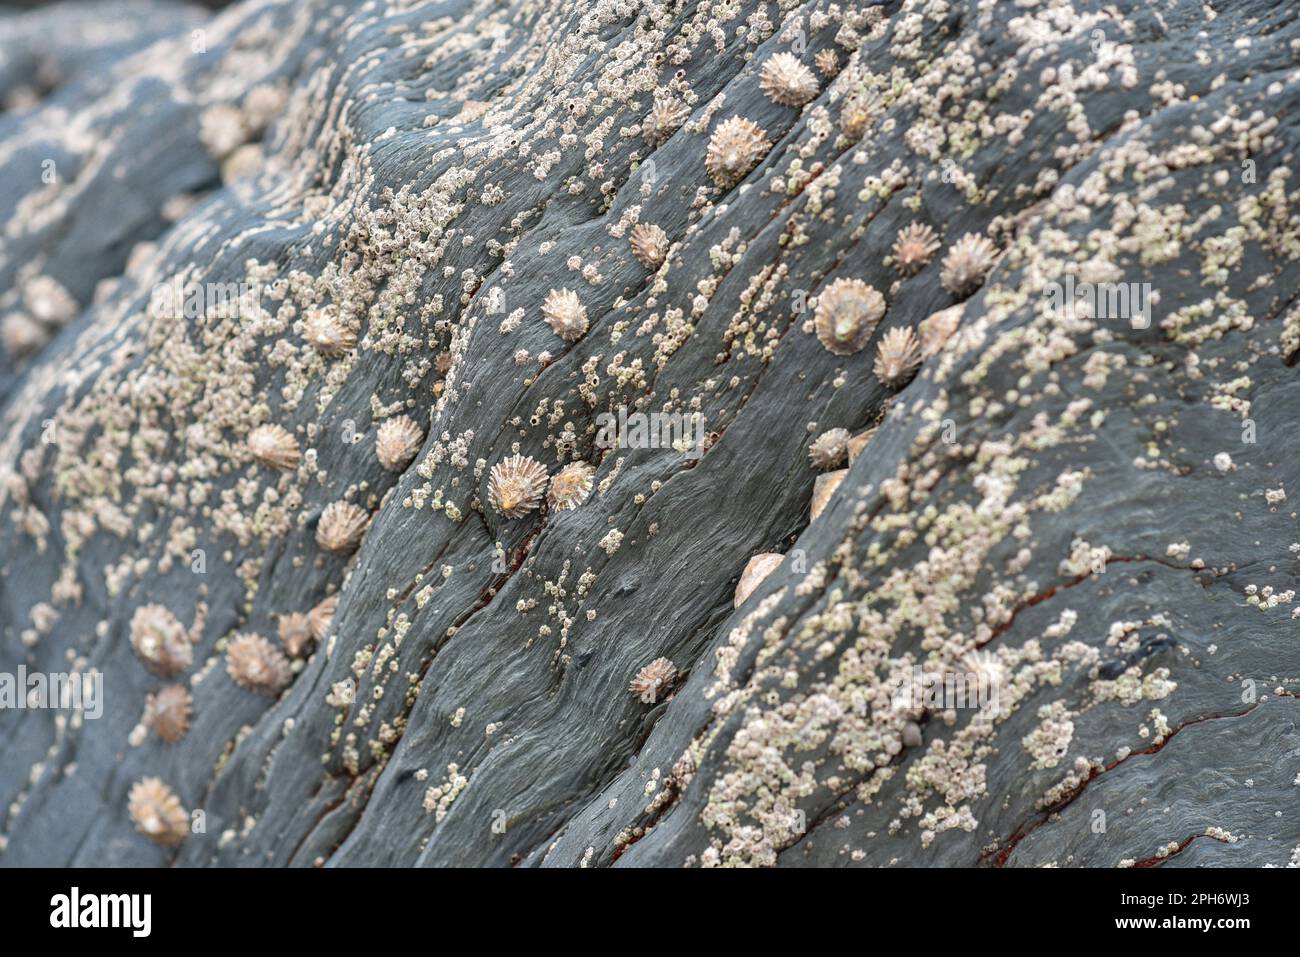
857	112
168	712
157	812
341	527
990	674
649	244
397	442
565	314
274	447
322	616
848	311
897	356
967	264
653	679
160	640
787	81
936	330
913	247
824	487
256	664
327	333
827	62
829	448
570	486
664	118
735	148
515	485
756	569
295	633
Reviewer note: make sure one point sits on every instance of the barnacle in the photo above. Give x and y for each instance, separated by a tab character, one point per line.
756	569
515	485
913	247
327	333
653	679
857	112
897	356
848	311
829	448
967	264
160	640
167	712
565	314
256	664
787	81
936	330
827	62
664	118
341	527
570	486
274	447
22	335
321	617
157	812
295	633
649	244
397	442
735	148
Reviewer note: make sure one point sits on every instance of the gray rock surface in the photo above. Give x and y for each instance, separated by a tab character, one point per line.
1089	514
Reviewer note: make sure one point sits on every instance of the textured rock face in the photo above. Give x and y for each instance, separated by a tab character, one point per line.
324	216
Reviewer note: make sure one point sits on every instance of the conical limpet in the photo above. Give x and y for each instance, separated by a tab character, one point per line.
913	248
341	527
756	569
157	812
649	244
167	712
515	485
787	81
860	442
327	333
897	356
571	486
653	679
968	262
936	330
256	664
397	442
824	487
295	633
829	448
565	314
848	311
160	640
735	148
322	616
663	120
274	446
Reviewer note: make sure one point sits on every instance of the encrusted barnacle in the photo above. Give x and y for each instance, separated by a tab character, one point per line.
167	712
653	679
160	640
913	248
756	569
848	311
515	485
897	356
274	447
649	244
857	112
967	264
157	812
397	442
827	62
295	633
256	664
664	118
829	448
321	617
327	333
565	314
735	148
341	527
787	81
570	486
936	330
824	487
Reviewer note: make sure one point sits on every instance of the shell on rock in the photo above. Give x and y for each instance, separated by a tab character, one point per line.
274	446
787	81
829	448
860	442
848	311
157	812
756	569
22	335
735	148
327	333
824	487
295	633
322	617
515	485
167	712
397	442
341	527
570	486
649	244
664	119
160	640
897	356
936	330
914	246
967	264
256	664
565	314
653	679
